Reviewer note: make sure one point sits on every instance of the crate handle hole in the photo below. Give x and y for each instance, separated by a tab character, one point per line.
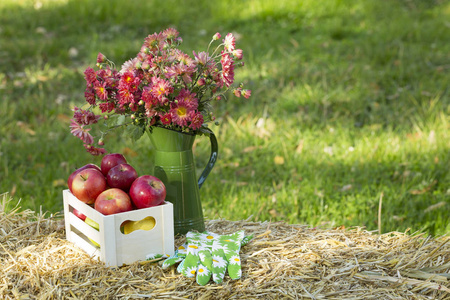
129	226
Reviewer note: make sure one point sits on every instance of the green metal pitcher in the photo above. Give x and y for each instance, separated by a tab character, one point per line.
174	165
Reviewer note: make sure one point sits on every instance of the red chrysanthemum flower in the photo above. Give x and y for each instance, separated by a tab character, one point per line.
148	97
166	119
94	150
89	94
89	76
100	90
125	96
101	58
126	79
106	107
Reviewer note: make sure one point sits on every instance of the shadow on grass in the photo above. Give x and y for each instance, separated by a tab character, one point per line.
354	65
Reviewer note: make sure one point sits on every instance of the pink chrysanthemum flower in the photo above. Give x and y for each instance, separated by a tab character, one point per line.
180	70
229	42
84	117
101	91
161	88
182	57
154	41
81	132
189	98
94	150
227	69
237	92
150	112
171	33
196	120
180	113
202	58
128	66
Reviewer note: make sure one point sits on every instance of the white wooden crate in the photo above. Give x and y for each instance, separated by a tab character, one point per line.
117	248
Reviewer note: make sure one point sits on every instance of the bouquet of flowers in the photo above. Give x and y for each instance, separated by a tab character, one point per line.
161	86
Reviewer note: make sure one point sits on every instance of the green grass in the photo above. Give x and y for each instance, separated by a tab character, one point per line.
350	102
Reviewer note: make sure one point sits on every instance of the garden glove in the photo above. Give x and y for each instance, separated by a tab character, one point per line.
194	257
197	256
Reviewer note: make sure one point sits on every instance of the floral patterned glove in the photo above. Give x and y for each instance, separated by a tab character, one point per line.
208	254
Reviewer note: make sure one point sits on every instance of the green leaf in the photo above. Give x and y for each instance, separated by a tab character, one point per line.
120	120
134	132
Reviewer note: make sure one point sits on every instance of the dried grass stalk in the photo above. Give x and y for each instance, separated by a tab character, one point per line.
282	262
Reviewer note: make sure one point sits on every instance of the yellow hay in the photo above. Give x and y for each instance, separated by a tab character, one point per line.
282	262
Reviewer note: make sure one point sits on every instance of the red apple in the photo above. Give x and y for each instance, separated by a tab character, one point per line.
72	176
111	160
113	201
77	213
121	176
88	184
147	191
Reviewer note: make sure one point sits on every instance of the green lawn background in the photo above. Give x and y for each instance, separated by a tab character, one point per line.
350	105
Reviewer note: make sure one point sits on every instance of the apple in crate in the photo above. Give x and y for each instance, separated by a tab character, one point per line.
88	184
72	176
147	191
121	176
77	213
111	160
113	201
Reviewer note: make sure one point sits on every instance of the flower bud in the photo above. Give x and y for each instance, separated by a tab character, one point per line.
216	36
201	81
100	142
133	117
216	123
141	102
246	93
238	54
106	117
101	58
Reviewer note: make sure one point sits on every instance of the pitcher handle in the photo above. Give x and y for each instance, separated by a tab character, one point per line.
212	159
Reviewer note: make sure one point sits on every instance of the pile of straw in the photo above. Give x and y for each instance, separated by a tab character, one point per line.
282	262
